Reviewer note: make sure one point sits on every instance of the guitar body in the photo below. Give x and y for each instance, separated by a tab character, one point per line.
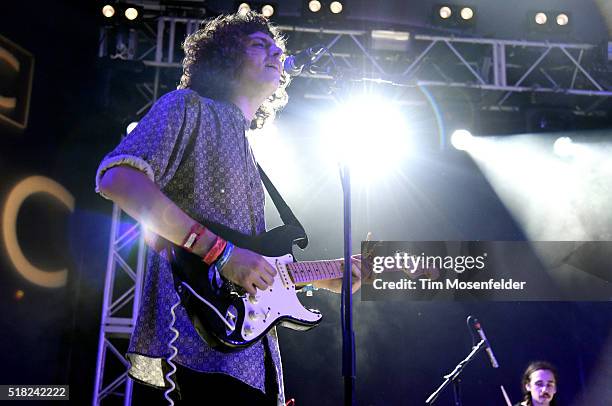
228	319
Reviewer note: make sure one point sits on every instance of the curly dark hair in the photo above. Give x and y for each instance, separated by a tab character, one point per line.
531	368
214	56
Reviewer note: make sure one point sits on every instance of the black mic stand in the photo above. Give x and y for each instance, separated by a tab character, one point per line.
346	307
348	335
454	377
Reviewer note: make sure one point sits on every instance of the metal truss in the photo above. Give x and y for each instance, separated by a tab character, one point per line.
122	286
555	61
495	67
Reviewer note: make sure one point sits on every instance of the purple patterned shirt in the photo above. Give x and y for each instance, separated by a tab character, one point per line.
196	151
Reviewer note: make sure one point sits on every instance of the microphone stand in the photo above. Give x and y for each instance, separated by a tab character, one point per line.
454	377
346	310
346	307
348	335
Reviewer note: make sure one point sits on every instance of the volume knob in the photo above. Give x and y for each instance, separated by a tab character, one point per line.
254	315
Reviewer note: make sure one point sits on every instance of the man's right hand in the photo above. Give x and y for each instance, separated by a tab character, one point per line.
249	270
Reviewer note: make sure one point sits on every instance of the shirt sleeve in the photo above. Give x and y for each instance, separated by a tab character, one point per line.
158	143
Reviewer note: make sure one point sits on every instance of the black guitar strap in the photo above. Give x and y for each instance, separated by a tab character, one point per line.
285	212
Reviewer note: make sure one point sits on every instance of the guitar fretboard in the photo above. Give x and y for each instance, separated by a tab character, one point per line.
309	271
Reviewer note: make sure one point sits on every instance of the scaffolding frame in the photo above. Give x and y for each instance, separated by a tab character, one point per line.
113	327
485	67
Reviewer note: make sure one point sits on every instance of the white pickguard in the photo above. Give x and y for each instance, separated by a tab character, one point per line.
277	301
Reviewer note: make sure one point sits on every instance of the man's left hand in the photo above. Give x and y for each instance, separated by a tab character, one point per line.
335	285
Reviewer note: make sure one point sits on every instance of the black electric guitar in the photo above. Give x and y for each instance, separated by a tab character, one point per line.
226	317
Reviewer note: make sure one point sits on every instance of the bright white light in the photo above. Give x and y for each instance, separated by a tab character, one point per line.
552	199
108	11
335	7
131	127
462	139
391	35
244	8
267	145
445	12
149	236
562	19
368	134
146	226
467	13
540	18
278	152
267	11
131	13
314	5
563	147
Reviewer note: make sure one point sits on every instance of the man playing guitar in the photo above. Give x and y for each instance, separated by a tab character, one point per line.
188	162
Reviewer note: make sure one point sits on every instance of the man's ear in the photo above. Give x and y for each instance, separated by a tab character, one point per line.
527	387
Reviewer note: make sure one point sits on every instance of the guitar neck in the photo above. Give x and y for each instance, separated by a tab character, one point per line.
310	271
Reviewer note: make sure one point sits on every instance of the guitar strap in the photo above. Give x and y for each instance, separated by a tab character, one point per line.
285	212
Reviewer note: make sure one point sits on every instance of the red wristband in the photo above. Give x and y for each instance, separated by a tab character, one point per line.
216	250
193	236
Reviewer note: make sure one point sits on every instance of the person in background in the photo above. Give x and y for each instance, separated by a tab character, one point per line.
539	384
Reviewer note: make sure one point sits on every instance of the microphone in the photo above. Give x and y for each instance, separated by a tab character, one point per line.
488	348
294	64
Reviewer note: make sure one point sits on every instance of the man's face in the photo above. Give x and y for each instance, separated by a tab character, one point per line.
542	387
262	67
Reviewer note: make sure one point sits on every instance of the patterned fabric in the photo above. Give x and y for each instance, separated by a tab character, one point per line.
196	151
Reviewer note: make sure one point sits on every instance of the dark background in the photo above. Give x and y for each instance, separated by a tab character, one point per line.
49	336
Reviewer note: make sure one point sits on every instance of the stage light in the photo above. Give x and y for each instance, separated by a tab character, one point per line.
314	6
564	147
445	12
267	10
390	35
562	19
383	40
244	8
454	16
541	18
131	13
108	11
549	22
467	13
335	7
131	127
462	139
368	134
